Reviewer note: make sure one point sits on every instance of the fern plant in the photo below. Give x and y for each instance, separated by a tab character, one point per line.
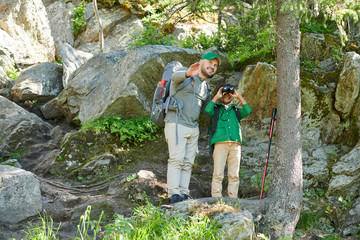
128	132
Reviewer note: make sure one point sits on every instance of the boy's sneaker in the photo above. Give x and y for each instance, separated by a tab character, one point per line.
175	198
185	197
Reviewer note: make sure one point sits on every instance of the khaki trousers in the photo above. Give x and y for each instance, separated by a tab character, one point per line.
181	157
229	152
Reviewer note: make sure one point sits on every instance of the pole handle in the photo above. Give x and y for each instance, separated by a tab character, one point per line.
274	113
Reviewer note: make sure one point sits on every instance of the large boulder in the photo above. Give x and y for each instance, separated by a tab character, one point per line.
41	82
122	83
59	14
20	129
20	195
119	27
28	36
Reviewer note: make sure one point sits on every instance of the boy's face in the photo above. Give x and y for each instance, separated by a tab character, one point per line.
226	99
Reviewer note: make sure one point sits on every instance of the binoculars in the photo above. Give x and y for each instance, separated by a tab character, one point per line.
228	89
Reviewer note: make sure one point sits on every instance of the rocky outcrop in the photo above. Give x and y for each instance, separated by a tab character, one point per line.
20	195
39	83
26	35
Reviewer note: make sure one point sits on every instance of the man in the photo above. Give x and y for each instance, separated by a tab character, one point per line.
181	130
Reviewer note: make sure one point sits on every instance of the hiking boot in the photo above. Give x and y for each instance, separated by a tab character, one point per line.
185	197
175	198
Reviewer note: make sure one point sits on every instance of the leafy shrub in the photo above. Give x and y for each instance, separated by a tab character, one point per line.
128	132
318	26
250	39
152	35
78	18
13	73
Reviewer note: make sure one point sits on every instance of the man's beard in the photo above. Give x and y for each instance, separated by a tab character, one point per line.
204	72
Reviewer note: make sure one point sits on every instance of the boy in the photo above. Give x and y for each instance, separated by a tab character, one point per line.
225	136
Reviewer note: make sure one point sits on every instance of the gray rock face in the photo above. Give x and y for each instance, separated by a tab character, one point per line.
19	129
41	82
27	30
59	14
20	195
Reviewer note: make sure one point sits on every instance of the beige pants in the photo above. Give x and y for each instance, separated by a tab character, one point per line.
181	157
229	152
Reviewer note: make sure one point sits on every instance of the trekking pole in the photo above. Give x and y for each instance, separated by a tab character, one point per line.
268	151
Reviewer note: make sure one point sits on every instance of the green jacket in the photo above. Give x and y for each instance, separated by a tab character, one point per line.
228	127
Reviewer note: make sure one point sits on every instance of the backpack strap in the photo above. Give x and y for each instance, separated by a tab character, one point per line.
215	119
183	84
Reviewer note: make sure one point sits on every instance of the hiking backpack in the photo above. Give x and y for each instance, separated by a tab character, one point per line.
161	100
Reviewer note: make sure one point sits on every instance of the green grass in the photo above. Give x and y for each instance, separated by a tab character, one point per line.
148	222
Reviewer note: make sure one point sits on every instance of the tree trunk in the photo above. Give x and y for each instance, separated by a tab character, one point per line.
285	193
280	210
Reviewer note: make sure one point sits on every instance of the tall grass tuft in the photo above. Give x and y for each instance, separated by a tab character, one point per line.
86	224
44	231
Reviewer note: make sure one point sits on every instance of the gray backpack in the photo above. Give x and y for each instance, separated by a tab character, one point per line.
162	102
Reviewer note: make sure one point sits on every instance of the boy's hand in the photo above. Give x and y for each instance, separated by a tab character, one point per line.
218	95
238	96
